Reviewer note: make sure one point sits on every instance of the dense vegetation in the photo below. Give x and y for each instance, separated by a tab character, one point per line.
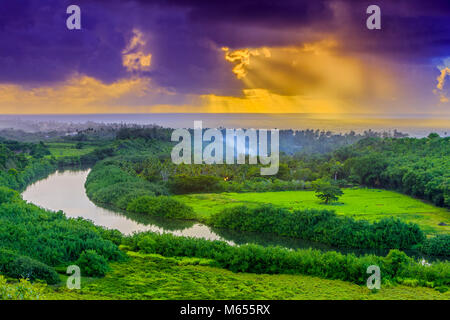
438	245
23	290
48	237
358	203
134	173
85	158
161	206
111	185
323	142
396	266
322	226
32	240
418	167
23	163
18	266
133	182
151	276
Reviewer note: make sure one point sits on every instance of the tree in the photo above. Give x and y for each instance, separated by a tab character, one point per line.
336	168
328	193
433	135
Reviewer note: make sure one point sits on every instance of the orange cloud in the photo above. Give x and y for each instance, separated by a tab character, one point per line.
133	56
440	85
309	78
314	77
80	94
241	59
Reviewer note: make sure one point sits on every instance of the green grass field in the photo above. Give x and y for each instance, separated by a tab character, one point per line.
64	149
157	277
368	204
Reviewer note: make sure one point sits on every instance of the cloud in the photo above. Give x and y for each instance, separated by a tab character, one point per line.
441	78
286	55
241	59
444	69
37	47
318	70
440	86
313	77
133	56
80	94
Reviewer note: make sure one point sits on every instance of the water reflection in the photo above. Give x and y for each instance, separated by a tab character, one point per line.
64	190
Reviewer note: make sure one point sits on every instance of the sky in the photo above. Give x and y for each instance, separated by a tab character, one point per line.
293	56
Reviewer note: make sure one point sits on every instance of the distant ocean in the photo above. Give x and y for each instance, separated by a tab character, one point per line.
415	126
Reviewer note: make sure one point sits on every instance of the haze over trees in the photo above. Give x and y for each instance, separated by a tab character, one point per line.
133	172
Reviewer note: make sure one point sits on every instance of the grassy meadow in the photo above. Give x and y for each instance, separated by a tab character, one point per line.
157	277
68	149
368	204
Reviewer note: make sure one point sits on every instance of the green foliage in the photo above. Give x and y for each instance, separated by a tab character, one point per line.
162	206
147	133
49	236
418	167
92	264
182	183
109	184
328	193
23	170
23	290
316	142
321	226
438	245
151	276
433	135
33	240
276	260
396	262
263	185
83	156
360	204
17	266
113	235
8	195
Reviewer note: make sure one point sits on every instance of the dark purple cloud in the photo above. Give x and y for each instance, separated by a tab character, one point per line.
36	46
184	37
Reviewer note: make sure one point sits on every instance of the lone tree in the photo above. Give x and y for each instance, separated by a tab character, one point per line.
328	193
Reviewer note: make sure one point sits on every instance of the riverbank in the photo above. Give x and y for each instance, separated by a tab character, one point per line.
358	203
148	276
113	185
110	283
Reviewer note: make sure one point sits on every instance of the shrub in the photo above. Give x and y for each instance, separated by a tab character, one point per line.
8	195
275	260
438	245
183	183
23	290
161	206
92	264
396	261
50	237
110	185
321	226
17	266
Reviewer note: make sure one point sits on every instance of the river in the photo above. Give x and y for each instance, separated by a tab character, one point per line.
64	190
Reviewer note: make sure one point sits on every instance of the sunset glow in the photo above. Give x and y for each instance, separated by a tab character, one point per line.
173	62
